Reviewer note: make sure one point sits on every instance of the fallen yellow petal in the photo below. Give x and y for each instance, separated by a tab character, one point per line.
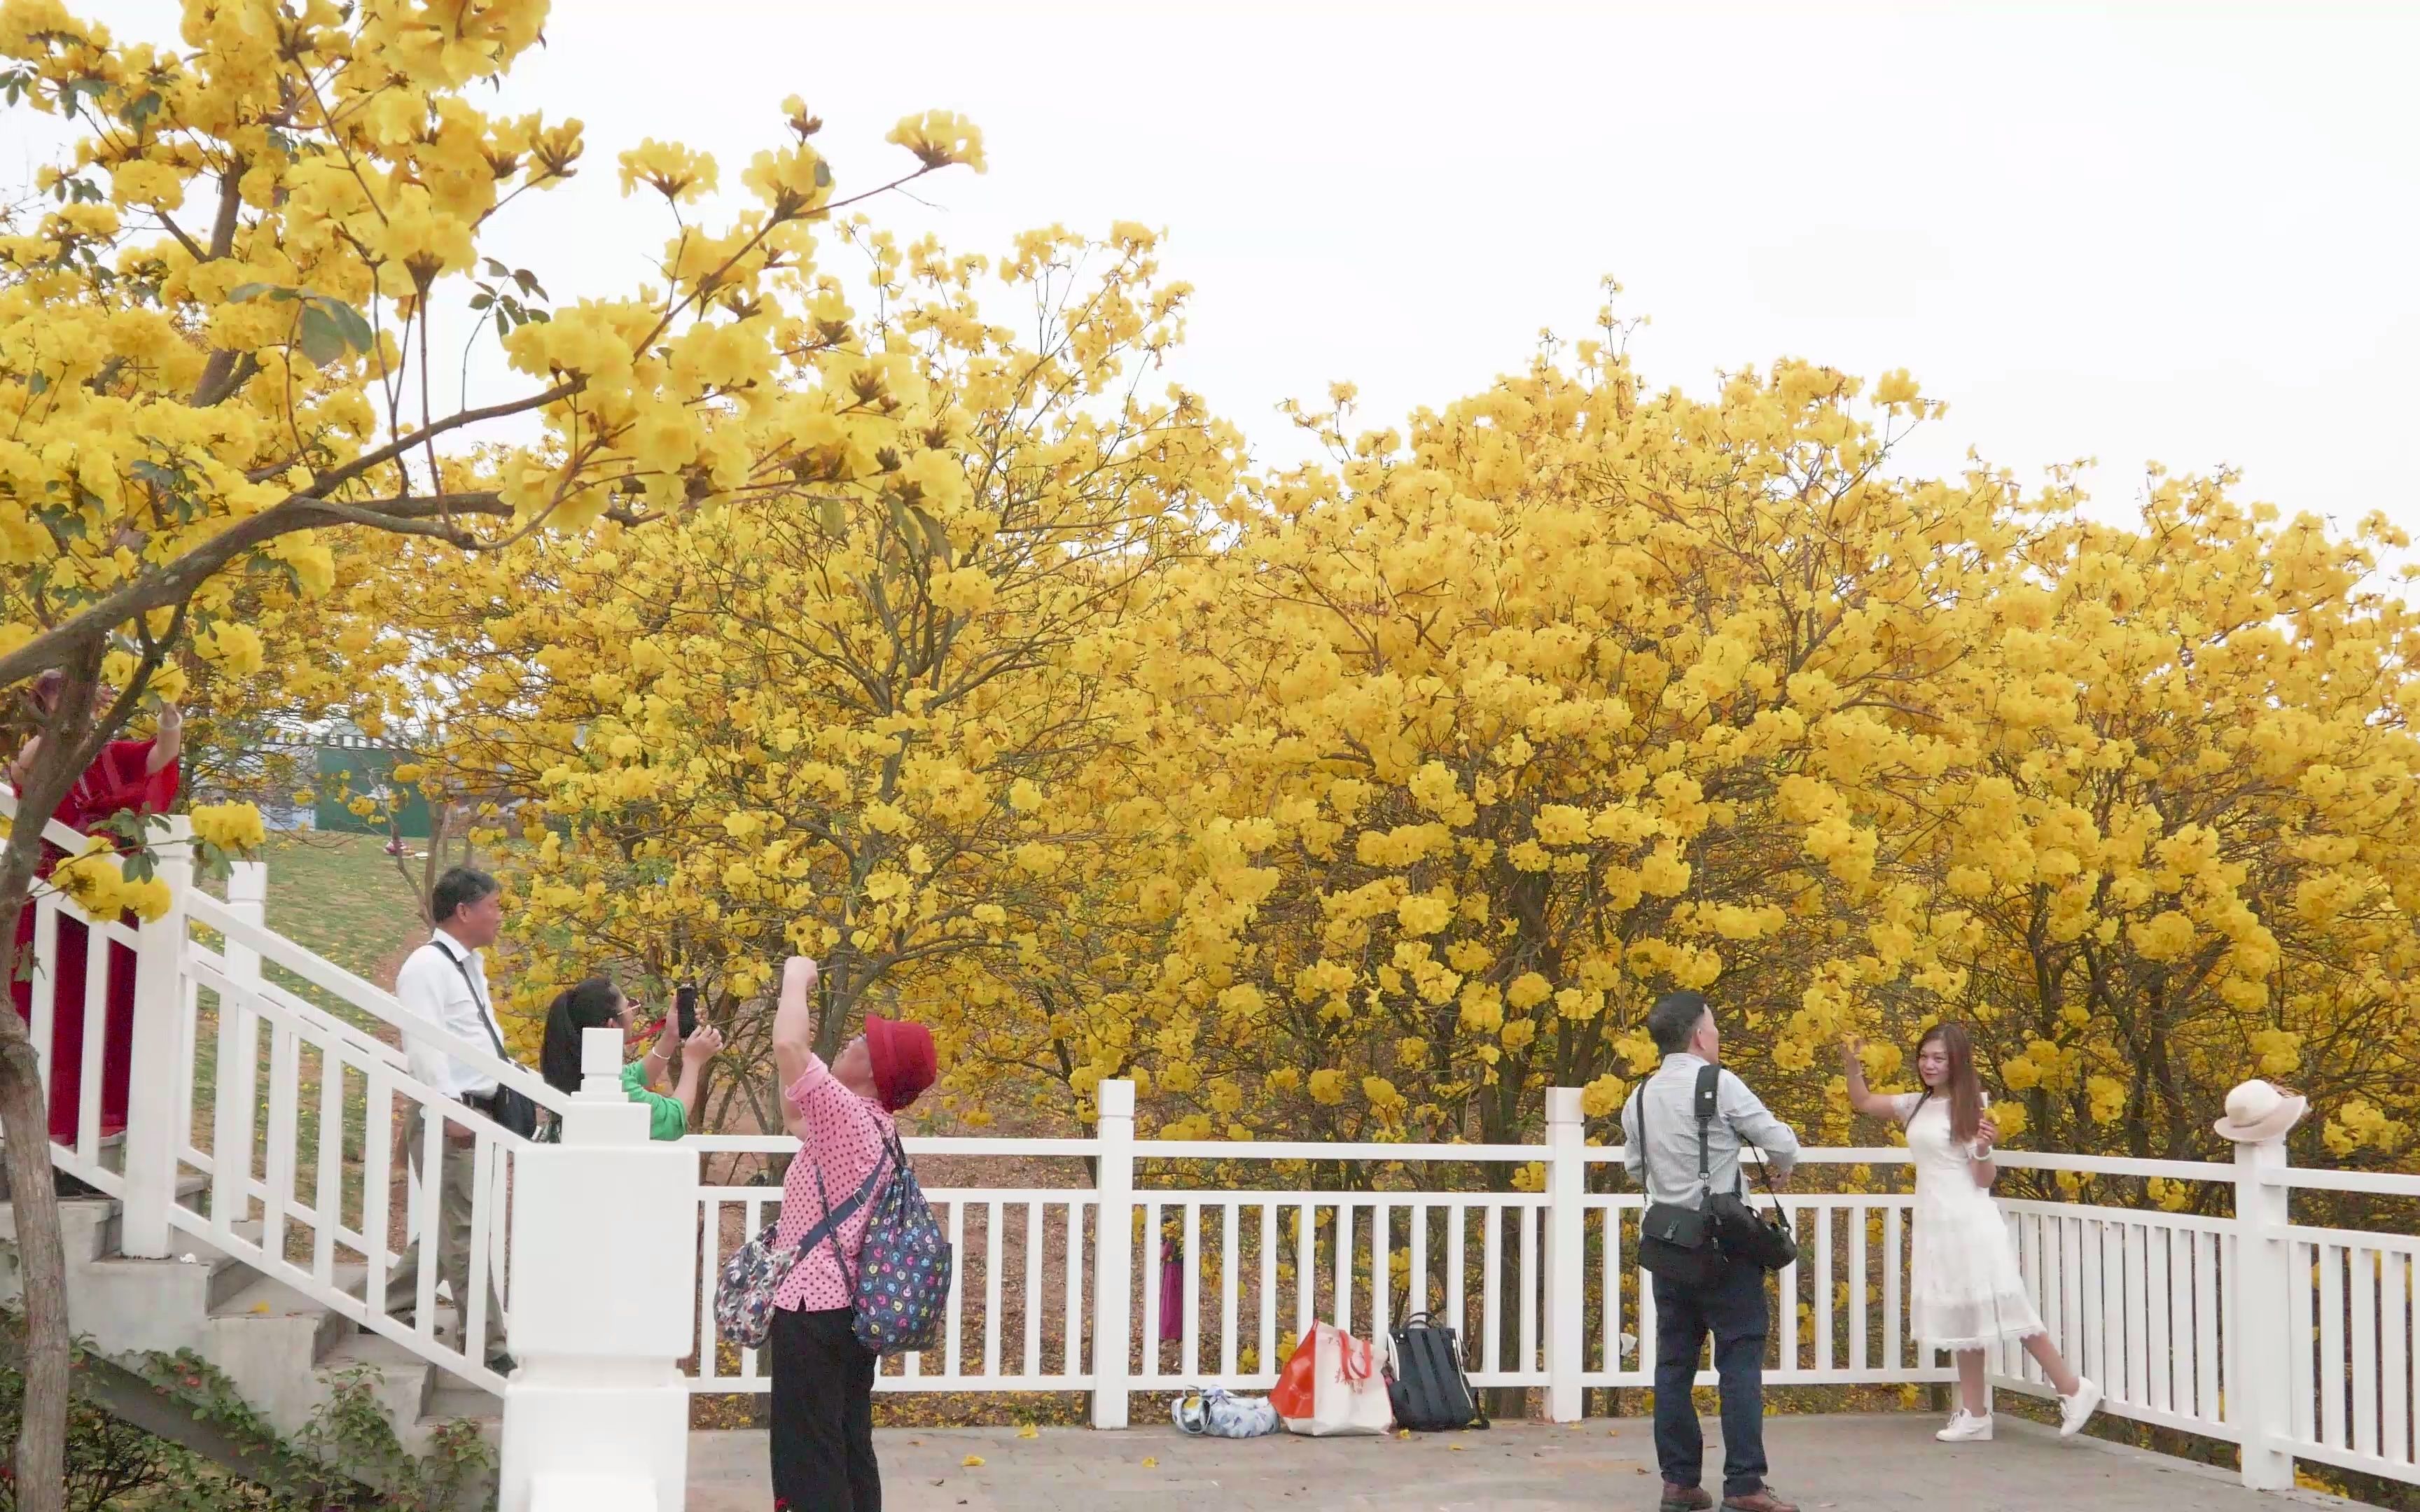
972	1461
1150	1464
1455	1447
1029	1431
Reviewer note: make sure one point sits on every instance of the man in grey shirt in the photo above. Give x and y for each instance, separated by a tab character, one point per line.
1732	1307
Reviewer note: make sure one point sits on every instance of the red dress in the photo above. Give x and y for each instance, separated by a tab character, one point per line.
117	781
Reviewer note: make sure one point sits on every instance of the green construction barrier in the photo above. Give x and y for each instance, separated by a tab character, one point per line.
347	772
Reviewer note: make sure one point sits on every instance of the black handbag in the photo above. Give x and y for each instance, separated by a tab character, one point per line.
1676	1241
515	1112
1430	1393
1762	1239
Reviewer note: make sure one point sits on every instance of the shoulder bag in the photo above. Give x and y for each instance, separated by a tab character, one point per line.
1742	1231
515	1112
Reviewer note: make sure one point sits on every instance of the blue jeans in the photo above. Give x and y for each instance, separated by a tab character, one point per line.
1734	1309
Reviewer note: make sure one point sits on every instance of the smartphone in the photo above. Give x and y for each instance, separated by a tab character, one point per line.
685	1004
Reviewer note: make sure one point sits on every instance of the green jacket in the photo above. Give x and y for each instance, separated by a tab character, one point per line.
665	1119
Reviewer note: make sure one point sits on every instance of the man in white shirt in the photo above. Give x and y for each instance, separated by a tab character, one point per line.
447	983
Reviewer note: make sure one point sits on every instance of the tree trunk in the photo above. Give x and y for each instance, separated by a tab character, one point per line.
70	738
39	1456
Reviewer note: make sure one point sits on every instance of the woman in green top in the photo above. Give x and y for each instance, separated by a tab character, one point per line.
597	1003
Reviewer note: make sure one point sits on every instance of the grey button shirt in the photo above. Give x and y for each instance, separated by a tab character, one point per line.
1666	1163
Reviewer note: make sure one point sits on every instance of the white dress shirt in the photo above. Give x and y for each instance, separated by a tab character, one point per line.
431	985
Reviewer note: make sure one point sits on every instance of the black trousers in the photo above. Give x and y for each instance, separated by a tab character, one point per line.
1732	1308
823	1414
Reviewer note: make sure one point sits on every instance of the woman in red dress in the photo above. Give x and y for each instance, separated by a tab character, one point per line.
129	774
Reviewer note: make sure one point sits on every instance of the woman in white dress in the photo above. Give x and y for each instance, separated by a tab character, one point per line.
1967	1293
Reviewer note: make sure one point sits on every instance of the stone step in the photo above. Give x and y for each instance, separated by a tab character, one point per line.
282	1351
269	1338
400	1381
88	1230
133	1305
455	1400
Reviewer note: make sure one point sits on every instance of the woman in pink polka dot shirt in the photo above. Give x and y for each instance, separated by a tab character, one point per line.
823	1379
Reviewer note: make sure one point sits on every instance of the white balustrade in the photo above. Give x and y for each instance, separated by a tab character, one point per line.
294	1174
1160	1270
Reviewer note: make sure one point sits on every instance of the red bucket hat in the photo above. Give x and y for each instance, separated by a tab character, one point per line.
904	1064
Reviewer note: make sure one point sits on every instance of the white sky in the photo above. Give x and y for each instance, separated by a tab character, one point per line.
2156	231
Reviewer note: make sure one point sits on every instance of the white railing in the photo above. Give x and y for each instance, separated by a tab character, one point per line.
2163	1309
262	1122
310	1198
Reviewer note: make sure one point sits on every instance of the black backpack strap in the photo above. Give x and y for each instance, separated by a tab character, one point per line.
829	1225
487	1020
1709	1103
1706	1078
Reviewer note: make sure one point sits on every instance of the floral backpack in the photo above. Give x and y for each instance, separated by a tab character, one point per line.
904	1265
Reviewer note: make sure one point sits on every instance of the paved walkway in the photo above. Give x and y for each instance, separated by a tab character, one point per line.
1873	1462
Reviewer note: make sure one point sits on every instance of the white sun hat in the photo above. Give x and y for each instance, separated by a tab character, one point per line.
2256	1111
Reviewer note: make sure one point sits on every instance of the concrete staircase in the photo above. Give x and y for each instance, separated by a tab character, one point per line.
282	1351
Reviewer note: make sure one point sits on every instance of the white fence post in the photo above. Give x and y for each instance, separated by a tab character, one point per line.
1113	1254
151	1099
2259	1326
247	900
1566	1251
605	1257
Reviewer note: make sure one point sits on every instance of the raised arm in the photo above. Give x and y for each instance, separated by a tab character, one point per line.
1852	1066
1755	1125
170	742
794	1032
696	1051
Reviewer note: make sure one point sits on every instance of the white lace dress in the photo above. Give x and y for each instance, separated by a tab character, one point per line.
1967	1292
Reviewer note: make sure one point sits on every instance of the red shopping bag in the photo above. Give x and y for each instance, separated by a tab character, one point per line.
1334	1383
1298	1385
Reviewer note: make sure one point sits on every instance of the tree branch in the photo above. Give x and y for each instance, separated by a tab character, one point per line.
329	482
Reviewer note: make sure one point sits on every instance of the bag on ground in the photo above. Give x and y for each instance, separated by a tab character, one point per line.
1222	1415
1335	1384
1430	1393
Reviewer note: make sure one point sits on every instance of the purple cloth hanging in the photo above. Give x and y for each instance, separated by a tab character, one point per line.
1172	1293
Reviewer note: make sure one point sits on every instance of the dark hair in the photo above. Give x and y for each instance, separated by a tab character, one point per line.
1673	1021
458	889
591	1004
1966	1088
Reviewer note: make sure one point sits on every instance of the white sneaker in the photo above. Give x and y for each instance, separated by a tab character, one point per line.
2076	1410
1967	1428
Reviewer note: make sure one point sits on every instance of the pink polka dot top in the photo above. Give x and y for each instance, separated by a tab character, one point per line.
845	1138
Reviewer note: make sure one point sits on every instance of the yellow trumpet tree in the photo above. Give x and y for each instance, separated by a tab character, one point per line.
2178	845
869	711
224	320
1569	696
